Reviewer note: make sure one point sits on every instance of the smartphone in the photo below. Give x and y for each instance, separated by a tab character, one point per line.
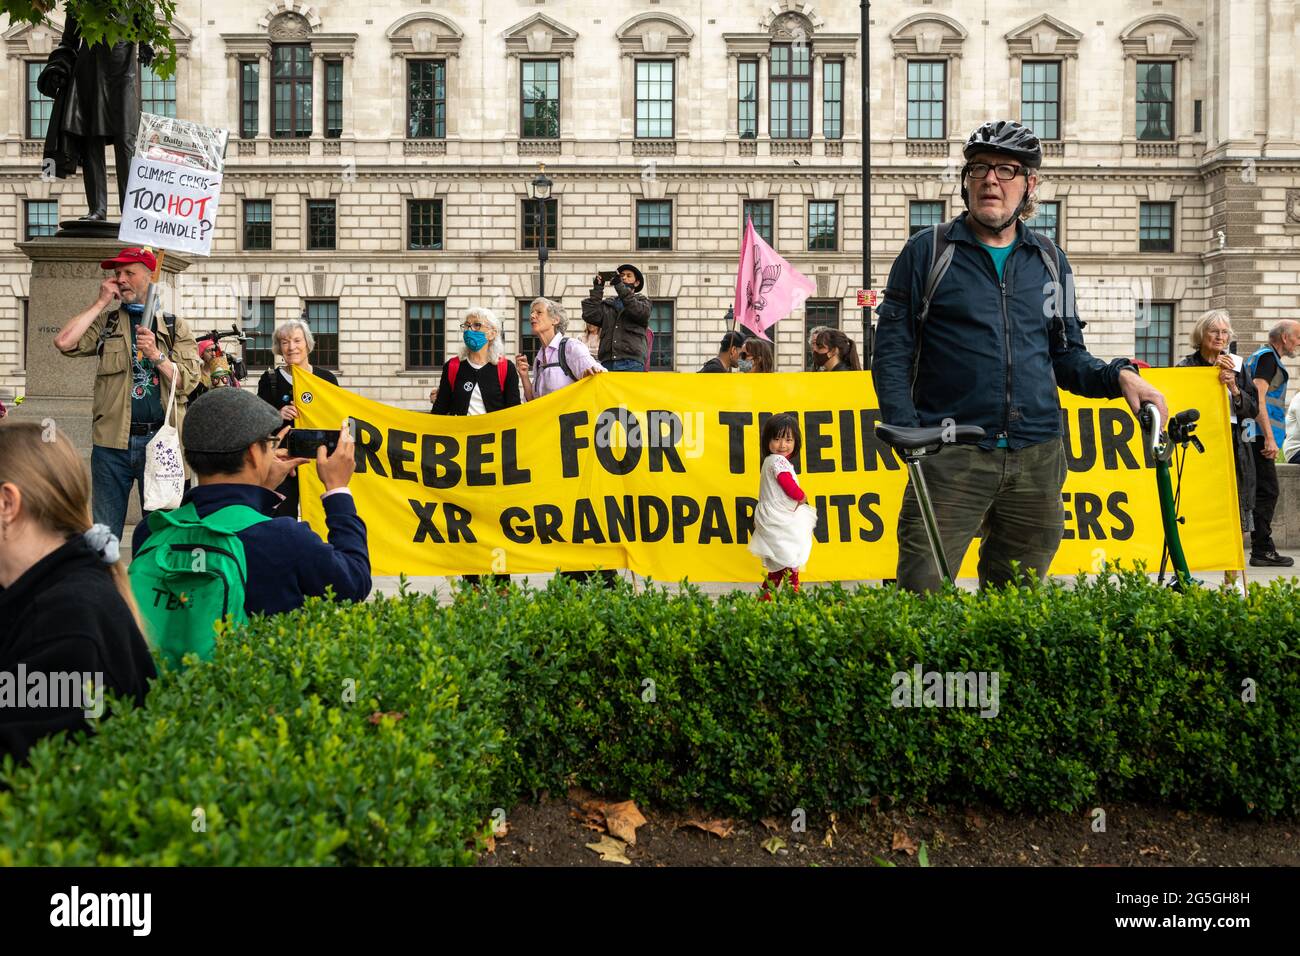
608	276
303	442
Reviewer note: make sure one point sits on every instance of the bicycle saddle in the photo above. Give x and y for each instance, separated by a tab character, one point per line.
911	439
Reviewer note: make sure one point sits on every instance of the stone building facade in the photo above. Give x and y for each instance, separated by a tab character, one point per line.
377	175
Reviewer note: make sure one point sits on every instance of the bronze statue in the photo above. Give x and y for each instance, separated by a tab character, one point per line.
96	93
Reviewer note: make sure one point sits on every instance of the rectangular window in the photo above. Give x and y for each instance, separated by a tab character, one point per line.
1155	101
156	94
818	314
1153	339
1196	116
1156	227
1046	220
257	224
790	91
248	95
654	99
424	231
654	224
529	344
333	99
747	99
1040	98
540	99
323	320
661	324
291	91
42	218
531	221
426	99
257	319
833	99
38	105
926	99
923	215
425	334
822	226
321	216
760	211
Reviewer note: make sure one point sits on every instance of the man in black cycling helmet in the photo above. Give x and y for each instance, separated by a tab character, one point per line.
986	340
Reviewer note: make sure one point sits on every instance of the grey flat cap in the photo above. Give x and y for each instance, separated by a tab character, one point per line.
228	419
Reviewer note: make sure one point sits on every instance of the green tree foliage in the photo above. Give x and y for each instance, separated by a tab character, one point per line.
139	21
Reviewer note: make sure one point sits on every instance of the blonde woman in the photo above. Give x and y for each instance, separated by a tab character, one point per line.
1210	338
65	602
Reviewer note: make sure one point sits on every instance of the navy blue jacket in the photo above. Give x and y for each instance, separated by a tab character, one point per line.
287	561
992	352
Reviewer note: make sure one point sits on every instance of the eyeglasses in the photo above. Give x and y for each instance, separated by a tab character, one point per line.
473	327
1006	171
1224	332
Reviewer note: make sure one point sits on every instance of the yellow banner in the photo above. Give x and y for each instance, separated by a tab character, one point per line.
659	472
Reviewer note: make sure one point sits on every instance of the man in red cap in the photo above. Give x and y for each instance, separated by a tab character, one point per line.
137	365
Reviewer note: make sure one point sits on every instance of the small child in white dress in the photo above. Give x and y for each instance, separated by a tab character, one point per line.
783	519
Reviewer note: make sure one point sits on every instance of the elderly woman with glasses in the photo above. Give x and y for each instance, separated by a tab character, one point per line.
480	378
293	342
1211	337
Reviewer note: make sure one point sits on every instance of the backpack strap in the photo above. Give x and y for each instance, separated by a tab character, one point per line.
941	253
453	369
502	368
564	360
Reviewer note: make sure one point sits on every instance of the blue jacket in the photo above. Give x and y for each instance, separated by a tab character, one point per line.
992	353
287	561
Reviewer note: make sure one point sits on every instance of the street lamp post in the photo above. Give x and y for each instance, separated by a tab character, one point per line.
539	190
868	334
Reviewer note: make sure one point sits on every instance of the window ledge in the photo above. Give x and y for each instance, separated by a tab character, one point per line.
835	147
33	147
424	147
1054	149
927	147
539	147
290	147
654	147
1148	149
791	147
749	147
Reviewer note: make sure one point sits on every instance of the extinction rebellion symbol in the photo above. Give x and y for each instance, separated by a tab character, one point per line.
306	398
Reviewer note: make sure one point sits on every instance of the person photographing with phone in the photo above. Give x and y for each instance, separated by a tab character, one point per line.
623	319
232	442
139	361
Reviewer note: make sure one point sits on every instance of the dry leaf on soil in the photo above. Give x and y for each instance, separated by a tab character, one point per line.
903	842
610	850
719	828
772	823
622	819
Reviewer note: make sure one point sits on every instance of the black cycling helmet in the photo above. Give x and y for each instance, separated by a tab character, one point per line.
1005	136
1011	138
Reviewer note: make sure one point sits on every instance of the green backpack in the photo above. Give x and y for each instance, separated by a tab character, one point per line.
189	576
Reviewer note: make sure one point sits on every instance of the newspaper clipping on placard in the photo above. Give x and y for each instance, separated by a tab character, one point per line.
174	186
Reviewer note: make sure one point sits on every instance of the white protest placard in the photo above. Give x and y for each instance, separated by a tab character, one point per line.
170	207
174	186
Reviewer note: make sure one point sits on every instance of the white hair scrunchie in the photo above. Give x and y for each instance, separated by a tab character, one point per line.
104	543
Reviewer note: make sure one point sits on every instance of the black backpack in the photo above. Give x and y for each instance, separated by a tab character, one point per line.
941	253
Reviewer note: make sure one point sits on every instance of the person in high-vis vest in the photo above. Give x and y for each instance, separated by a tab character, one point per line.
1269	377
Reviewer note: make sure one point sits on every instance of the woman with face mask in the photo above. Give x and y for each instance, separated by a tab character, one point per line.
833	351
65	603
480	379
756	356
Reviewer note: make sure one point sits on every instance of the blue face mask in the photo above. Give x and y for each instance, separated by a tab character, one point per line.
474	340
135	309
747	365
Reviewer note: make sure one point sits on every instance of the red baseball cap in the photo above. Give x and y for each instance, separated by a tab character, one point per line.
127	256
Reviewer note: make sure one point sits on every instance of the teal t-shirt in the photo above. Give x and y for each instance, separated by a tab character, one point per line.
1000	255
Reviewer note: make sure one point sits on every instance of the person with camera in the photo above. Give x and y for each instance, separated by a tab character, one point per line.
292	342
232	443
623	319
139	361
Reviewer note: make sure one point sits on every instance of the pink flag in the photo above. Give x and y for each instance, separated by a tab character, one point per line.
767	287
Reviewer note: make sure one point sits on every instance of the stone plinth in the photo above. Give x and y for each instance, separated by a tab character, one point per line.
65	280
1286	519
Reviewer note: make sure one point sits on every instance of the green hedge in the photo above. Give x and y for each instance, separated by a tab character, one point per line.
1111	689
